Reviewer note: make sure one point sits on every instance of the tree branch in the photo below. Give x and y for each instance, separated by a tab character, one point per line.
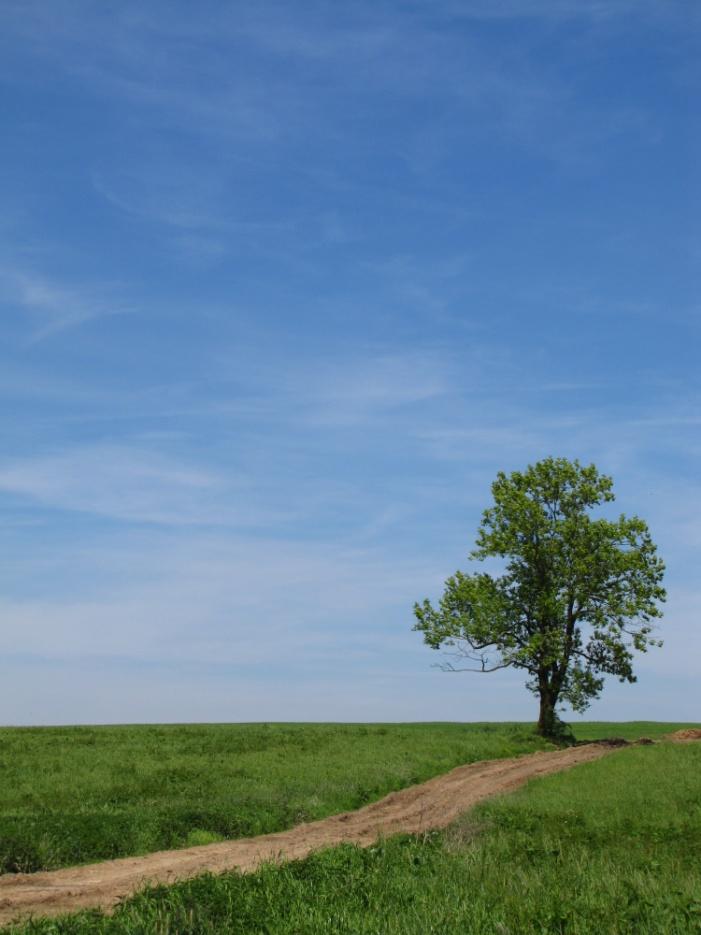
485	667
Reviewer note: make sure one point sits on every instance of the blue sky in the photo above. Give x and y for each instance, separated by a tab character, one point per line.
282	287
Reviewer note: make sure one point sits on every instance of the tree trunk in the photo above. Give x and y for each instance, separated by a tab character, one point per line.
548	719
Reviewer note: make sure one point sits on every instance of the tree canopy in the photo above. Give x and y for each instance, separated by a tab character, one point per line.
578	594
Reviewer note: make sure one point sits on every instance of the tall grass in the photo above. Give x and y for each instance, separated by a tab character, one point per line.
610	847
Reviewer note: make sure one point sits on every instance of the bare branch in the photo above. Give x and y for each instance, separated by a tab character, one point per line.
485	667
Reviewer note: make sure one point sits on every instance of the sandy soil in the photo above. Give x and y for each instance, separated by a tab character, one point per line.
689	733
432	804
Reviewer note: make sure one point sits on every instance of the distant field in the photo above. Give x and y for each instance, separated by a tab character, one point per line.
612	846
628	730
75	795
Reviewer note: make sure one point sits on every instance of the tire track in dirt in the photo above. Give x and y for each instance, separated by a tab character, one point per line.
429	805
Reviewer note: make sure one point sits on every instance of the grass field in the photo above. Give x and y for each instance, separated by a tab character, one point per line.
80	794
613	846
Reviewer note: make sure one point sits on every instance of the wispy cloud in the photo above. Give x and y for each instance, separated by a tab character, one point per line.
359	390
199	214
587	11
215	600
283	73
23	382
180	199
120	483
52	307
331	387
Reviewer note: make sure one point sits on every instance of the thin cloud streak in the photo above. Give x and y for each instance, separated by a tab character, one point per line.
117	482
52	307
390	54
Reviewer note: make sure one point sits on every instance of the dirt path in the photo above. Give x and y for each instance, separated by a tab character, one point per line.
432	804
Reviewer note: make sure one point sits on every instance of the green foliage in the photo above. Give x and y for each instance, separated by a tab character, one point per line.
607	848
81	794
578	595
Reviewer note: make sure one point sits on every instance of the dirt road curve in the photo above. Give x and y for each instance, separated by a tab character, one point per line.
433	804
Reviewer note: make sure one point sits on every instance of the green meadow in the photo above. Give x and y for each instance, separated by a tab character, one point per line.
612	846
80	794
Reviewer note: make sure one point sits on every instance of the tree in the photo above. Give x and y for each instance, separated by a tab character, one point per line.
577	596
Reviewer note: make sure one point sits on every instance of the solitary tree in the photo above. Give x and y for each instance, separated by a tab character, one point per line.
576	597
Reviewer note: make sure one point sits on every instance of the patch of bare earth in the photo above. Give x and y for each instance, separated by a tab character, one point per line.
432	804
689	733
